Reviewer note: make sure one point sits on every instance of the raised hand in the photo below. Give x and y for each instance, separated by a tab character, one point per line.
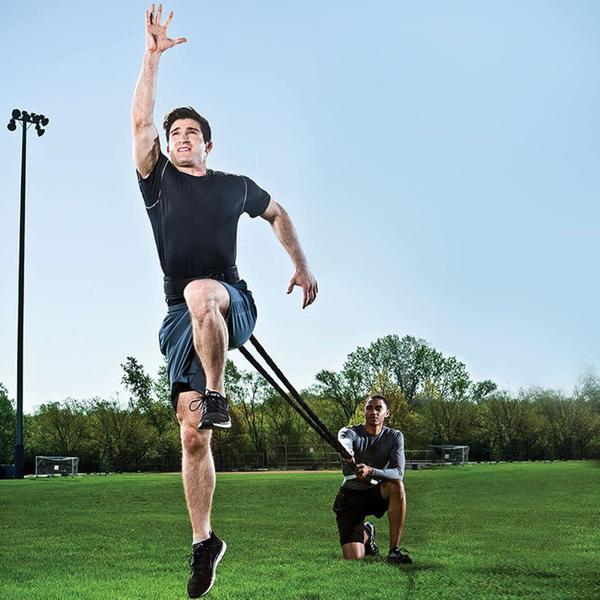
156	34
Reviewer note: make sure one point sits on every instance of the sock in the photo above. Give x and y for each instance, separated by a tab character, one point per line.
199	540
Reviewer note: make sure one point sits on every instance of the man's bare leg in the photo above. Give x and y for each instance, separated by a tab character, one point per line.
393	491
208	304
355	550
197	467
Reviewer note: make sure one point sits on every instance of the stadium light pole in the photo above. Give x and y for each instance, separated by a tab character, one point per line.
26	120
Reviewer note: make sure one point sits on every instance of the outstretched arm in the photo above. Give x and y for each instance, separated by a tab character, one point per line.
146	145
283	228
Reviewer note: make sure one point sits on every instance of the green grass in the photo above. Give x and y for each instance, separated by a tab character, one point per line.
487	531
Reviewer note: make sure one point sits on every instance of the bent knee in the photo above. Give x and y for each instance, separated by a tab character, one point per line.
353	551
193	440
205	297
395	488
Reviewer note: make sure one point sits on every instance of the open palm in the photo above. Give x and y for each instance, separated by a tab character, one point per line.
156	34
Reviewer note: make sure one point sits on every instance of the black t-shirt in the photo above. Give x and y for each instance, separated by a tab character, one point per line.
195	218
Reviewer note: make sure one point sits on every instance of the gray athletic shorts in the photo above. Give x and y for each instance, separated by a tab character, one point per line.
177	344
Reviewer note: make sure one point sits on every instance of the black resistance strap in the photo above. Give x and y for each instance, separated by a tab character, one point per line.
296	402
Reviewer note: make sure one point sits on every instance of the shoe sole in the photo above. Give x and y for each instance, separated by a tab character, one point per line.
214	570
371	530
224	425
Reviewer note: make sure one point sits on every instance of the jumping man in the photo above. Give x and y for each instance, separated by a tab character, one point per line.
374	486
194	213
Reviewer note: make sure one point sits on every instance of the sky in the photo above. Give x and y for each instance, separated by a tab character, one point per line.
439	161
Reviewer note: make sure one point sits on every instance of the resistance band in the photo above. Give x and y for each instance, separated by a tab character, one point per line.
296	401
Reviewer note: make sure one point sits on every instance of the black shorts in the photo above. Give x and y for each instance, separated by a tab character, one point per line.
352	506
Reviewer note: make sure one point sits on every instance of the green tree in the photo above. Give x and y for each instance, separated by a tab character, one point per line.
452	421
346	389
285	426
7	426
407	364
569	425
152	399
248	392
403	359
60	428
121	436
510	426
588	391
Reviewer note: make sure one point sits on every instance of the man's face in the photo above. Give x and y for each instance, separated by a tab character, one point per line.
375	412
186	145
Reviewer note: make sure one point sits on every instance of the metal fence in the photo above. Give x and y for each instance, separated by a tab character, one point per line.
285	458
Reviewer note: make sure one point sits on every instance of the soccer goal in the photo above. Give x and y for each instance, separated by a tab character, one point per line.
450	453
47	466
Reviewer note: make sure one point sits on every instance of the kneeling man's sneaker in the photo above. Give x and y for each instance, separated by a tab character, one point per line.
203	561
399	556
216	413
371	548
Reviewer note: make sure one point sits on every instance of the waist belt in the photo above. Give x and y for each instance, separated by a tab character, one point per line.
349	477
174	286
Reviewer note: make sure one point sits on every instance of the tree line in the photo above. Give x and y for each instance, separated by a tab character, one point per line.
432	398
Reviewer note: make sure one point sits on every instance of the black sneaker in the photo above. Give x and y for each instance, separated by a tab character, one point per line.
371	548
203	561
215	411
399	556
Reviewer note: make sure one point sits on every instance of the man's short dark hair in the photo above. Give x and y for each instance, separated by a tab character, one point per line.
187	112
378	397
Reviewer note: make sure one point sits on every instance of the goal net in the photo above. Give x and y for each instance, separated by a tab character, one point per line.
450	453
46	466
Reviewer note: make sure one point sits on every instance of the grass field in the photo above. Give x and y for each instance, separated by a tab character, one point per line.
483	531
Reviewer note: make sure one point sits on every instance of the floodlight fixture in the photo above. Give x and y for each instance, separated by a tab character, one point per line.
16	113
12	125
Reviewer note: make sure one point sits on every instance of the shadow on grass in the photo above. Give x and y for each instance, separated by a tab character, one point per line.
418	567
511	570
414	567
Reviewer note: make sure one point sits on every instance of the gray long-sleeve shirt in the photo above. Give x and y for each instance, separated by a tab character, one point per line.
384	452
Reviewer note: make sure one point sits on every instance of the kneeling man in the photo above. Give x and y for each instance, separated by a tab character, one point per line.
372	484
